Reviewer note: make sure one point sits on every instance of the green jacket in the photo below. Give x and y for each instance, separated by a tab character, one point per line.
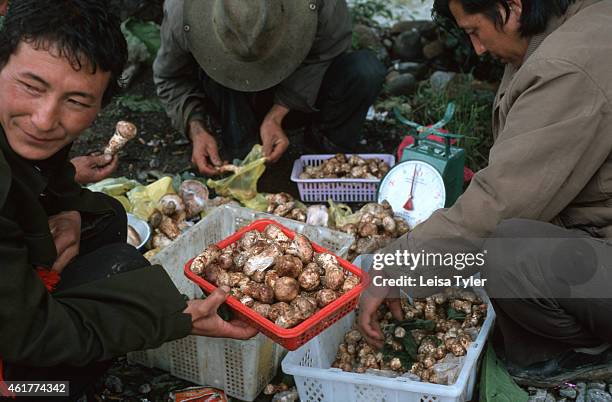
176	71
92	322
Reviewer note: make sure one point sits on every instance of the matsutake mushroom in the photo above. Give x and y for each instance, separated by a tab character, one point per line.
124	131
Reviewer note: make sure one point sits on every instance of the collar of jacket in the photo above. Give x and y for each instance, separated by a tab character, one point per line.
35	174
536	40
30	182
555	23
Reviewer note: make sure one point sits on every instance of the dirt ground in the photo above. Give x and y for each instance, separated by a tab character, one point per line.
161	150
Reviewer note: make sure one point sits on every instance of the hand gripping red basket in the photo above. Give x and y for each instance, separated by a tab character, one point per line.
295	337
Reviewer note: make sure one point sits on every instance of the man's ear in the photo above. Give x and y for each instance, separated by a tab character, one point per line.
516	7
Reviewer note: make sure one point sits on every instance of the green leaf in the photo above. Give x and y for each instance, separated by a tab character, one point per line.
452	314
410	346
427	325
434	339
140	104
388	352
403	355
496	385
147	32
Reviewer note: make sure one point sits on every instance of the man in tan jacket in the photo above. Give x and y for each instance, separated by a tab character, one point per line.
541	211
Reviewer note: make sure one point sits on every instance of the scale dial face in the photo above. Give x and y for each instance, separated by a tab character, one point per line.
421	180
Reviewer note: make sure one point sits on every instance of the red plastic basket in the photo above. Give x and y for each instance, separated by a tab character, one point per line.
295	337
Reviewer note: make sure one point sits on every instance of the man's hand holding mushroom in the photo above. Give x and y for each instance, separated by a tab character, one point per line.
206	322
95	167
205	153
273	137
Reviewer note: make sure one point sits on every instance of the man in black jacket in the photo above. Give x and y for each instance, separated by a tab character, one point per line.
59	64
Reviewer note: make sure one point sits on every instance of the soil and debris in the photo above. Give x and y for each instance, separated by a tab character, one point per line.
160	150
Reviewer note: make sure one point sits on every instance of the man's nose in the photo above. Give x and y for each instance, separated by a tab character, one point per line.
46	116
478	46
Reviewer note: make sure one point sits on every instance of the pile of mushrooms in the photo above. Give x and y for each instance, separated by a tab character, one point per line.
174	210
347	167
284	280
377	227
283	204
433	327
375	224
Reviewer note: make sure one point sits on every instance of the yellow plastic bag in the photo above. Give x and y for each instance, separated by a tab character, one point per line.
114	186
341	214
257	203
242	185
144	199
127	205
159	188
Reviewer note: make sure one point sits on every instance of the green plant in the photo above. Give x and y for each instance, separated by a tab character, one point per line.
472	116
364	11
137	103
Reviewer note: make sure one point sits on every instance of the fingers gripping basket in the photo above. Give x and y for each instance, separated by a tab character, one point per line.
316	381
241	368
338	189
295	337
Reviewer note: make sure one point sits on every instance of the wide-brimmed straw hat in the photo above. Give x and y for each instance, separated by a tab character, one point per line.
250	45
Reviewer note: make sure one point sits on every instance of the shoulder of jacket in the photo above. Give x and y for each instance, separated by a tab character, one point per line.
583	39
5	179
173	11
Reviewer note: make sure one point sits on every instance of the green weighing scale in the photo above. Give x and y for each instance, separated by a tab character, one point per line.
429	175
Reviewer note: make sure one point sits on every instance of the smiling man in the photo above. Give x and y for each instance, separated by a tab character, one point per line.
46	104
542	208
59	65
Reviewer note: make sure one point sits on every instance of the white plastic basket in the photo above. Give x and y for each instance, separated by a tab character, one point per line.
241	368
317	382
339	190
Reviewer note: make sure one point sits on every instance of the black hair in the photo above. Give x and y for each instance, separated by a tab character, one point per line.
82	31
534	16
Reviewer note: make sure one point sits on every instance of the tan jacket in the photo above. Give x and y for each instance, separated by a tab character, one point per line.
552	124
176	72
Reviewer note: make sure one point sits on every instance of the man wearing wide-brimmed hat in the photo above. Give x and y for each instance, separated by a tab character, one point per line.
256	66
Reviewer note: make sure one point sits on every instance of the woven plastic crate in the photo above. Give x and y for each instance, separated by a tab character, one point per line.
339	190
241	368
317	382
291	338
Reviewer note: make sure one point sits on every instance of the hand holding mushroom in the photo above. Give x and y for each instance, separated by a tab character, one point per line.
206	322
440	328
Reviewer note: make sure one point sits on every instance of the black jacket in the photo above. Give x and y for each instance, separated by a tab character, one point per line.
92	322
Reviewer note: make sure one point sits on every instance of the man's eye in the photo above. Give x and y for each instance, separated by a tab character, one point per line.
77	103
31	88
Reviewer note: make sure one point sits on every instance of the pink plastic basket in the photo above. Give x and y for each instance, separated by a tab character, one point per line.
339	190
